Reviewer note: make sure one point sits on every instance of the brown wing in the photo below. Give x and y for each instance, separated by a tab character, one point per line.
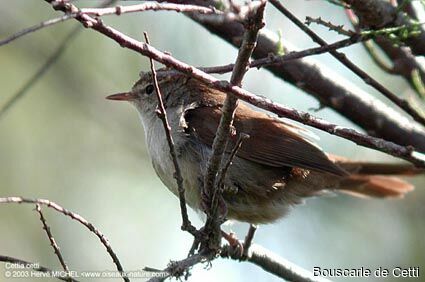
289	147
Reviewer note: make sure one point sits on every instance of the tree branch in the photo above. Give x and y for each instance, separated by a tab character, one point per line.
51	238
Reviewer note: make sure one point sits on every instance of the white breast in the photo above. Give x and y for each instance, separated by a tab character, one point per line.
159	152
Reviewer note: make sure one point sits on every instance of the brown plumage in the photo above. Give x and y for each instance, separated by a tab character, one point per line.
275	168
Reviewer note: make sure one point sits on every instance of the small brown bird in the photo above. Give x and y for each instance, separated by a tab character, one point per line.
274	169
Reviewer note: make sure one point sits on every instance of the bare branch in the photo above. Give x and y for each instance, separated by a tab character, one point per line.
162	114
248	240
31	264
337	28
74	216
51	238
228	163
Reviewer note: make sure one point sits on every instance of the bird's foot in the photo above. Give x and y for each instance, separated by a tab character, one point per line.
236	246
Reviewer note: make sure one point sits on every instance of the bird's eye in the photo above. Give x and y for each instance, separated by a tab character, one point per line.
149	89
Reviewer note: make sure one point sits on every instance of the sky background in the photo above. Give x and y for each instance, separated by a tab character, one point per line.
64	142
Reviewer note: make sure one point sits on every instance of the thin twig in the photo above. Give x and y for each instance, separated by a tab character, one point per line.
337	28
162	114
119	10
36	27
222	174
34	266
248	239
344	60
406	152
273	60
51	238
74	216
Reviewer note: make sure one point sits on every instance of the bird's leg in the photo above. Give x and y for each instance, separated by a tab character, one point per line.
235	244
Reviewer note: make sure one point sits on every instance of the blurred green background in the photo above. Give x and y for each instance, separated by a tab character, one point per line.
64	142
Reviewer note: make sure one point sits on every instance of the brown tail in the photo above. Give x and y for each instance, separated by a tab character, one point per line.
377	186
374	179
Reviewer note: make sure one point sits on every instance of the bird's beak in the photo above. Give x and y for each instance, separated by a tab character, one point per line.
125	96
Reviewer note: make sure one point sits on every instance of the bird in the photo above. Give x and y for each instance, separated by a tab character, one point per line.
275	168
